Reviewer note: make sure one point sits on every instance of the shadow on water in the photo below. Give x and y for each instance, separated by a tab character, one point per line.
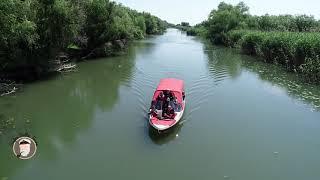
57	110
161	138
144	46
164	137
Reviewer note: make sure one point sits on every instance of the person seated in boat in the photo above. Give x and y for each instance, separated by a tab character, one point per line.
166	92
153	110
161	97
169	114
166	103
165	106
158	109
175	100
174	103
171	96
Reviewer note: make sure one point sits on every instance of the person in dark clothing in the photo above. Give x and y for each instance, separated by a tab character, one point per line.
166	93
165	107
169	114
171	96
166	102
153	109
175	100
161	97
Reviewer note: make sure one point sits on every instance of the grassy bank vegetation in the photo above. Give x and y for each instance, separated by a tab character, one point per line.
287	40
34	32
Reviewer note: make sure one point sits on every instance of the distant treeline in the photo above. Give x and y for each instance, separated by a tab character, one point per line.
33	32
291	41
184	26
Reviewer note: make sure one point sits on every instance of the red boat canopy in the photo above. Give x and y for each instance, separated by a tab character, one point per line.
174	85
171	84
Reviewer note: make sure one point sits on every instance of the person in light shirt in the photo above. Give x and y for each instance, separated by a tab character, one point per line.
24	147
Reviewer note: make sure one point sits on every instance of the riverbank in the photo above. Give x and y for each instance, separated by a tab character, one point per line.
7	88
64	62
292	42
40	38
297	52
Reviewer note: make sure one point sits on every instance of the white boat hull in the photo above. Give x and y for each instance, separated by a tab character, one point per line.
177	119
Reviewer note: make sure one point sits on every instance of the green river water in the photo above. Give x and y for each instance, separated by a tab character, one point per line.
244	120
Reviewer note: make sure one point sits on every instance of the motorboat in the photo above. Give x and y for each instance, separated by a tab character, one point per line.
168	104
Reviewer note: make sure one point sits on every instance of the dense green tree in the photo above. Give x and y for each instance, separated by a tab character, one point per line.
151	23
305	23
18	32
141	23
56	24
224	19
98	22
32	32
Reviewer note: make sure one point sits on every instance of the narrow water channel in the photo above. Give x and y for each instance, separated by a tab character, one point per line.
245	120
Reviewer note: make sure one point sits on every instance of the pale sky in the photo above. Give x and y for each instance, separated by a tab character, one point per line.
195	11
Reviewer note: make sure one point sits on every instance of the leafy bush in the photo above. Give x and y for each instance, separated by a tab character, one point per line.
197	31
251	42
233	37
32	32
311	69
